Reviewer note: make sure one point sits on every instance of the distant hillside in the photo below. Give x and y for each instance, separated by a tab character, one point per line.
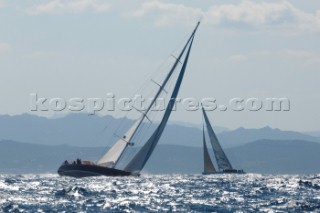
264	156
74	129
241	136
313	133
268	156
83	130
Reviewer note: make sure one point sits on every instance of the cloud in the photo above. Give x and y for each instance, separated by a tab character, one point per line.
305	56
246	13
5	48
251	13
68	6
238	58
168	13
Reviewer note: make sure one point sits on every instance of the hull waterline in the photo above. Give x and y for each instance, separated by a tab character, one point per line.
80	170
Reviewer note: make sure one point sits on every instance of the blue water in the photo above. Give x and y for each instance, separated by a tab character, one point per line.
160	193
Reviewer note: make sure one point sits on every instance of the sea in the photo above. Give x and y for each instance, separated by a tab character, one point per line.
160	193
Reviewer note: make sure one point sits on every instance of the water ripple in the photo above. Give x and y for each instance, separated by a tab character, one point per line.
160	193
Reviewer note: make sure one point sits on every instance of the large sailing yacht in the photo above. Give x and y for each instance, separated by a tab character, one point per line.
115	161
224	165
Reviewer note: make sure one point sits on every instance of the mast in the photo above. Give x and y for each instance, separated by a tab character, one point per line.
221	158
140	159
207	163
114	153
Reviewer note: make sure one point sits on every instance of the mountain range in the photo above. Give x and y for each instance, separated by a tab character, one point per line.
88	130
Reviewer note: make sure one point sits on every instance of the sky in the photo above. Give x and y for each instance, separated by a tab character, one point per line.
88	48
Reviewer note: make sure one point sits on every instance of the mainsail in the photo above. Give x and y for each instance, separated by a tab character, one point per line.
208	165
111	158
140	159
221	158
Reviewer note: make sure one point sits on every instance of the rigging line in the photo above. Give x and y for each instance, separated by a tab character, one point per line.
176	58
177	47
107	147
169	83
148	148
143	88
143	131
145	83
122	138
142	113
163	66
129	151
168	76
100	133
139	138
121	123
158	85
155	73
163	88
151	94
166	64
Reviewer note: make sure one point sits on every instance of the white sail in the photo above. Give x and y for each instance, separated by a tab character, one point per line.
207	163
221	158
110	158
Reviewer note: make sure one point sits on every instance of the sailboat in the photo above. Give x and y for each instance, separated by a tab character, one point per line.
224	165
110	163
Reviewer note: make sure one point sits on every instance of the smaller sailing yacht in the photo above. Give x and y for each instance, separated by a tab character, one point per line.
224	165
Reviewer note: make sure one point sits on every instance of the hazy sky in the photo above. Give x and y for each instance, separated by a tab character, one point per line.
87	48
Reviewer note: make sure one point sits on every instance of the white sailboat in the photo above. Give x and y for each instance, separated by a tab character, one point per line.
109	164
224	165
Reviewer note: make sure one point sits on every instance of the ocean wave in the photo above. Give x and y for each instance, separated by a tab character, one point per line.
160	193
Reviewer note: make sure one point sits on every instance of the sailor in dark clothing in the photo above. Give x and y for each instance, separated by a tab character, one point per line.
78	161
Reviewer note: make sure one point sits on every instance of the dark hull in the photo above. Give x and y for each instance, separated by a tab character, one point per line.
81	170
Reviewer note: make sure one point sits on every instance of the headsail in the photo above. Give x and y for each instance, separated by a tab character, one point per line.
140	159
207	164
112	156
221	158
